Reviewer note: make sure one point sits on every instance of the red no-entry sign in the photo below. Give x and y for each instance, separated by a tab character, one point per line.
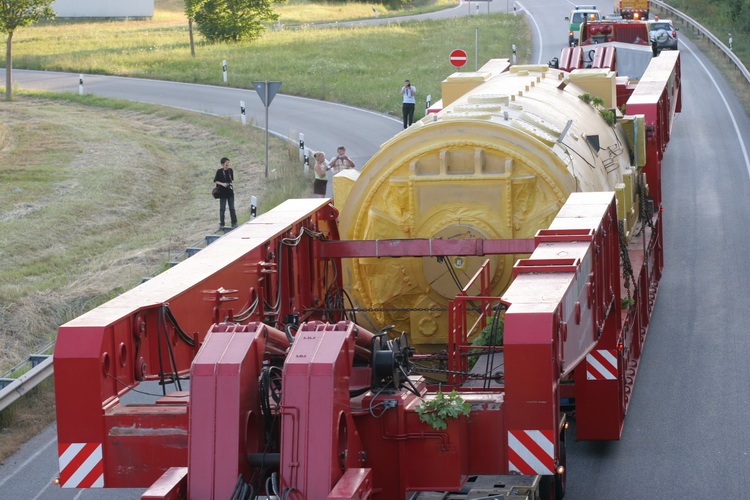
458	58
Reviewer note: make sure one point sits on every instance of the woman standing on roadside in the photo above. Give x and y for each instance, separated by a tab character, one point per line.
321	174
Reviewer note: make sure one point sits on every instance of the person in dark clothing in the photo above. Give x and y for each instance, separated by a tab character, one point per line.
223	179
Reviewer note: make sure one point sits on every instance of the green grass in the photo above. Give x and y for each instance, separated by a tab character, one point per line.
362	66
302	12
99	193
714	16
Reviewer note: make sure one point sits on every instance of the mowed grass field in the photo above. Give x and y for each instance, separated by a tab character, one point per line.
98	193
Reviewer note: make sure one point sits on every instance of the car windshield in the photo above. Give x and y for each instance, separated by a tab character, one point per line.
578	17
660	26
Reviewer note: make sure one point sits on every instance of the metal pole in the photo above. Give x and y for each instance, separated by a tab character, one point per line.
476	48
266	101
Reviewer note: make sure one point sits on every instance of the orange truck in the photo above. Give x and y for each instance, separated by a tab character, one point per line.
632	9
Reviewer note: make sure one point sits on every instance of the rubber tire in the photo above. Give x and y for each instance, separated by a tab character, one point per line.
547	488
562	479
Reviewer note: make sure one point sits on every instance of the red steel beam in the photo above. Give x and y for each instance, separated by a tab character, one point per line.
424	247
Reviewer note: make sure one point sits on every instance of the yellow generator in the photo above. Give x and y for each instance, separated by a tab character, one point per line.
497	161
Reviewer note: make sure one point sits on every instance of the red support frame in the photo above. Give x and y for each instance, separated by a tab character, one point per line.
658	98
105	353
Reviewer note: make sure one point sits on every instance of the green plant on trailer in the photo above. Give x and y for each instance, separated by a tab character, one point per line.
436	412
598	103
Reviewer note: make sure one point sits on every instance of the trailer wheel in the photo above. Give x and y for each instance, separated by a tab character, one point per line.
547	488
553	487
561	479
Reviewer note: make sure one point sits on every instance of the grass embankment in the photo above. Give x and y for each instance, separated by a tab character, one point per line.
714	16
99	193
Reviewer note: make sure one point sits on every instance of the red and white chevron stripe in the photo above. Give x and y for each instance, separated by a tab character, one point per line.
601	365
531	451
81	465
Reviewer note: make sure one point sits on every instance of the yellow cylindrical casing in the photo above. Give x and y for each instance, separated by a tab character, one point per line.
497	163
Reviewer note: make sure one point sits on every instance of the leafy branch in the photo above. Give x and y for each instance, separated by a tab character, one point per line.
436	412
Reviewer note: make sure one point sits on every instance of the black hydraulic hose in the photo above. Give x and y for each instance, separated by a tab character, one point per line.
288	332
159	324
172	360
180	332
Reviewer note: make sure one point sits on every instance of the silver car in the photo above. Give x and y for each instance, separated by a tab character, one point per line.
663	34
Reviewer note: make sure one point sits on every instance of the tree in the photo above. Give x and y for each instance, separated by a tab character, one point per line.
16	14
191	8
234	20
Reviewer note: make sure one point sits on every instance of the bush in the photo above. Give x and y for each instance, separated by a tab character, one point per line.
234	20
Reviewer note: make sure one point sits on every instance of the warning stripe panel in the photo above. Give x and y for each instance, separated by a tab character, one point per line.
601	364
81	465
531	451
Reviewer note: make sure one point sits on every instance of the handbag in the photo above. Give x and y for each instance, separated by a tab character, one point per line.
215	192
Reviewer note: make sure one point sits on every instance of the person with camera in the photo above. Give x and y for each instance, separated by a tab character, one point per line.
341	161
409	93
223	179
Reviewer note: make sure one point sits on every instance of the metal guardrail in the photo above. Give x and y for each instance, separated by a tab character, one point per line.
13	388
686	20
38	367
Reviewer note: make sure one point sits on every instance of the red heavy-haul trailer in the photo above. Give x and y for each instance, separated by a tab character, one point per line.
293	393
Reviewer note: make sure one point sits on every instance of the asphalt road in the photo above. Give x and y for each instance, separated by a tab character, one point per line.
686	433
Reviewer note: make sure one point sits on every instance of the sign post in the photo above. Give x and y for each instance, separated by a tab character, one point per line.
458	58
267	91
